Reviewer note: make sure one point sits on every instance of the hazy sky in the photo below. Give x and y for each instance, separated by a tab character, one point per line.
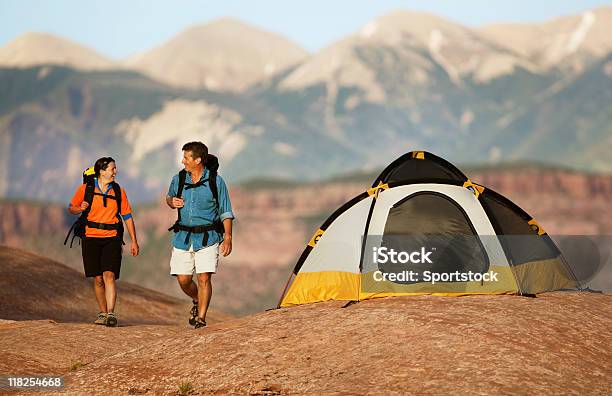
121	28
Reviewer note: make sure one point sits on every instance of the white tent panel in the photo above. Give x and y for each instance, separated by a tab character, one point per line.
339	248
460	195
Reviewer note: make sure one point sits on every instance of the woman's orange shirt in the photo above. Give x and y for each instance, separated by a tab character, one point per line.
101	214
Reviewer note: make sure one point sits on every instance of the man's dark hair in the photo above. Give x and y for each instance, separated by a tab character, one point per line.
198	150
102	164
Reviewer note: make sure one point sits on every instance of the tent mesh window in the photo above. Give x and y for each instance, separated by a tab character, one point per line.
437	223
536	262
522	243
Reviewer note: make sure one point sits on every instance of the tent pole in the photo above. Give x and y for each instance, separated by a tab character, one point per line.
284	290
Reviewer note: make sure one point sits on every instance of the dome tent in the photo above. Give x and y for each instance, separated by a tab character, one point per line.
481	242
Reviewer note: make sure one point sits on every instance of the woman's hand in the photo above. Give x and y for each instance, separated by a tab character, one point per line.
135	249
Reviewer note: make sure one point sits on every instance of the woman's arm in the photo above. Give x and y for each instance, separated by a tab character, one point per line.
75	210
129	223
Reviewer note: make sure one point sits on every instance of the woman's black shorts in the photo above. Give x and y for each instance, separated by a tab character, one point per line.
101	254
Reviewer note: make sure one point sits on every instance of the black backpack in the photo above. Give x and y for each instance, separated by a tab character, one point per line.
212	164
78	228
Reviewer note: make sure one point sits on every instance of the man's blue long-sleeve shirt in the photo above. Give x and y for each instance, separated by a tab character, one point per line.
200	209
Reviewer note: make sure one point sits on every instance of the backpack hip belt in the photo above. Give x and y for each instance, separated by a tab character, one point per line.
104	226
200	229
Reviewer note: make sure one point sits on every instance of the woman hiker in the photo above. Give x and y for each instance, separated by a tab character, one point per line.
102	244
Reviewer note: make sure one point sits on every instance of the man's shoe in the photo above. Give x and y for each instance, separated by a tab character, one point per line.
199	322
111	320
193	314
101	320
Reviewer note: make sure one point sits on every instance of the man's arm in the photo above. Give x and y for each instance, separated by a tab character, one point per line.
226	215
171	200
226	245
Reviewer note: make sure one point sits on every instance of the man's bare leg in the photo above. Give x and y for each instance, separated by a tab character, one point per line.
204	293
111	290
189	288
100	293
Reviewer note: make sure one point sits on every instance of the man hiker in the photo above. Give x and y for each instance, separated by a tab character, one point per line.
203	228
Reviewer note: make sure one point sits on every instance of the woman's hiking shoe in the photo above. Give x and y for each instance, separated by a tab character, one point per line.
199	322
111	320
101	320
193	314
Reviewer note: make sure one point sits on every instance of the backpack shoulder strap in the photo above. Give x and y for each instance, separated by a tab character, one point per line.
181	182
179	193
117	192
212	164
79	225
90	187
212	181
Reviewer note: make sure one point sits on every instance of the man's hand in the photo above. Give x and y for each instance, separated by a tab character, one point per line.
177	202
84	205
135	249
226	245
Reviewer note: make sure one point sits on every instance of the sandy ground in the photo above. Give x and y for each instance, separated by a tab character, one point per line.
557	343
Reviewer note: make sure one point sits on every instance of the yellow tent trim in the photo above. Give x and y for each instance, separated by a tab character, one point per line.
309	287
418	155
536	227
533	277
375	190
477	189
315	238
505	284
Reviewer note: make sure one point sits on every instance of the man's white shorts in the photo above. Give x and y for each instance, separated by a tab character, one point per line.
184	262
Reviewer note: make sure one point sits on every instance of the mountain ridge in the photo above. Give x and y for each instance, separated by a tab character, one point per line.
225	54
583	37
350	109
34	48
163	60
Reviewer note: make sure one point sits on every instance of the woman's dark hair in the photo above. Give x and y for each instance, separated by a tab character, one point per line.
102	164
